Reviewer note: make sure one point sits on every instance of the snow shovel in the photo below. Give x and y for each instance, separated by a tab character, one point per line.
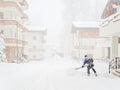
78	68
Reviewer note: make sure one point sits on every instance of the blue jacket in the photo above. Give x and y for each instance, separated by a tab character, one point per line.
85	61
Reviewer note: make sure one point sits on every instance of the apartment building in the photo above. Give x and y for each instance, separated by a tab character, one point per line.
86	40
110	26
35	48
12	18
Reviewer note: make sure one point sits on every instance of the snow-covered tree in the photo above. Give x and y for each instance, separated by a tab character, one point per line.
2	47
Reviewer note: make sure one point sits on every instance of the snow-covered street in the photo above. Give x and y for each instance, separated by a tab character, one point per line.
55	74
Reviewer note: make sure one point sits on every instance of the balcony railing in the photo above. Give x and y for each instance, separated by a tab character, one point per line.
12	4
113	18
14	41
114	64
13	22
23	3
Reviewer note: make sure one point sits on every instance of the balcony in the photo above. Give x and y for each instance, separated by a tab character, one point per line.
111	25
23	4
14	41
13	22
25	17
13	4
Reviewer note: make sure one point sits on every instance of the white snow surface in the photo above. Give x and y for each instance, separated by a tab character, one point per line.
56	74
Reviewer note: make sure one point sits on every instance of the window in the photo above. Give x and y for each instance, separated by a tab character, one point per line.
1	15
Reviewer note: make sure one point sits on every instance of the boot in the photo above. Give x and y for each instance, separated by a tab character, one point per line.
88	74
96	74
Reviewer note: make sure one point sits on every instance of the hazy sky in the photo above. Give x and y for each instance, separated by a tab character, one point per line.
47	13
55	15
41	12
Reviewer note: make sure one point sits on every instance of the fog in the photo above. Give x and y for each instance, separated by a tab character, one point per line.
57	16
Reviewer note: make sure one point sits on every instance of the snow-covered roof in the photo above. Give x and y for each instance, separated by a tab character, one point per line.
86	24
36	28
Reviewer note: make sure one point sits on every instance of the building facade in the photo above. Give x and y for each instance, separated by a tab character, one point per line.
110	26
35	48
12	19
86	40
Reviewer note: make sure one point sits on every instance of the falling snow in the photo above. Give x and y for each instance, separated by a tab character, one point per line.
55	73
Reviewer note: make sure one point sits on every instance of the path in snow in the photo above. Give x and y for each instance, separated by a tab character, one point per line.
55	74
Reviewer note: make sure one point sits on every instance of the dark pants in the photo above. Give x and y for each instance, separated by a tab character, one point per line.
90	67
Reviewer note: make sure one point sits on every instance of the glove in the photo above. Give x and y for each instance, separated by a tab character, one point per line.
82	66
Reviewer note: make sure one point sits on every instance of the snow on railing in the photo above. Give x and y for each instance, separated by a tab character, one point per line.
113	18
114	64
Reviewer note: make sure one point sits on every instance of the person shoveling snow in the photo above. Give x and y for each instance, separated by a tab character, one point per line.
89	61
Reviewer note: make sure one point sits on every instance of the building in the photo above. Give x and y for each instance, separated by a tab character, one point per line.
110	26
35	48
12	20
86	40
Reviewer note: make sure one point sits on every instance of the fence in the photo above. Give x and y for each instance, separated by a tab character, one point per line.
114	64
